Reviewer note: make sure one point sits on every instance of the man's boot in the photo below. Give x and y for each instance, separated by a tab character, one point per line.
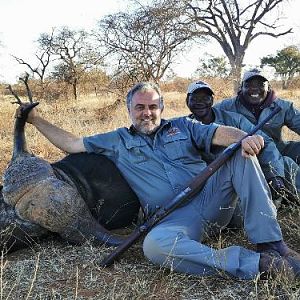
282	256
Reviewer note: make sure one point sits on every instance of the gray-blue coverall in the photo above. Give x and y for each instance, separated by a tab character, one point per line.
288	116
270	159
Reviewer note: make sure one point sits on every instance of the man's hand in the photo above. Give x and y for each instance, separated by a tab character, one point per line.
252	145
32	115
26	111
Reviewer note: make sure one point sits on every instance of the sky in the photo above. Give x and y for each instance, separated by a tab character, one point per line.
22	22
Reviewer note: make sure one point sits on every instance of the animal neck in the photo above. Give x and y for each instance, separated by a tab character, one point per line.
20	146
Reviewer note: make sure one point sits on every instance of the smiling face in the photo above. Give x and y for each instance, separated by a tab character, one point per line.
145	111
255	90
200	103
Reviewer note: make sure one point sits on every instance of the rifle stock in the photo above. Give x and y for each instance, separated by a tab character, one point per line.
185	195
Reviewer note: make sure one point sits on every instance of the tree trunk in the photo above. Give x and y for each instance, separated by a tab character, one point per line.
74	85
285	84
236	72
236	63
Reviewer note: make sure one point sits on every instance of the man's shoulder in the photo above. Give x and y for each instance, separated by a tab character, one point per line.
107	137
223	112
226	102
229	118
184	123
232	114
183	120
121	130
283	102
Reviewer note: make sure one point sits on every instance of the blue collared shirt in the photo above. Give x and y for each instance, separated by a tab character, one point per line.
157	167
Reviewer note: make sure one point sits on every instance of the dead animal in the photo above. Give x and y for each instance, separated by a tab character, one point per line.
80	198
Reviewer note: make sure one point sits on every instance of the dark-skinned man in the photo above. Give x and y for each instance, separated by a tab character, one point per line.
255	100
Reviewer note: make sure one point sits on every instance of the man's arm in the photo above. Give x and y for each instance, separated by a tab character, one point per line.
62	139
270	159
226	135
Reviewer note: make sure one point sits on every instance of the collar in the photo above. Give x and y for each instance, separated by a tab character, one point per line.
256	109
192	116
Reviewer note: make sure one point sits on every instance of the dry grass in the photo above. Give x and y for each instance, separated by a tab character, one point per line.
55	270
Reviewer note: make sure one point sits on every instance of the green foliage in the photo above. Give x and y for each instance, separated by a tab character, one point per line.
286	63
216	67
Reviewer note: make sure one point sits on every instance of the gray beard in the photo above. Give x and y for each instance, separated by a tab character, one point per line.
146	131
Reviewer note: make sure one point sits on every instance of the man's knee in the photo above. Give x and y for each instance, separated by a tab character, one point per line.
239	164
238	156
158	245
152	249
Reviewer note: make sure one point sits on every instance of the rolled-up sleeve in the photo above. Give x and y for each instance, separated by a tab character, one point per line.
201	133
104	143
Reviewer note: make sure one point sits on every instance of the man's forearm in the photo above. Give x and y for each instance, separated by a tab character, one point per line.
251	144
226	135
62	139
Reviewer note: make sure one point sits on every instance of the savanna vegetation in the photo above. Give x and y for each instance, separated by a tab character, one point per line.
145	41
55	270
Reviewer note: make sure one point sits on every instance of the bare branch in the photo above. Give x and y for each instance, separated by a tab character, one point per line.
234	24
275	35
25	80
145	42
15	95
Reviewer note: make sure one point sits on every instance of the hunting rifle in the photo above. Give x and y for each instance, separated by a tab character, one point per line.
184	196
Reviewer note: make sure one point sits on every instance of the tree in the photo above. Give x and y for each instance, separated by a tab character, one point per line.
211	66
143	43
40	69
235	24
43	55
286	64
74	51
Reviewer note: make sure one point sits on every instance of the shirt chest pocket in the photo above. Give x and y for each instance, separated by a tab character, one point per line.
175	146
136	151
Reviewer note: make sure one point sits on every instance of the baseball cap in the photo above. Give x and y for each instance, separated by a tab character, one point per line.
197	85
254	73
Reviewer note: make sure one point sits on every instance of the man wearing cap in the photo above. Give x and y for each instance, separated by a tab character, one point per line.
200	100
255	100
159	158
